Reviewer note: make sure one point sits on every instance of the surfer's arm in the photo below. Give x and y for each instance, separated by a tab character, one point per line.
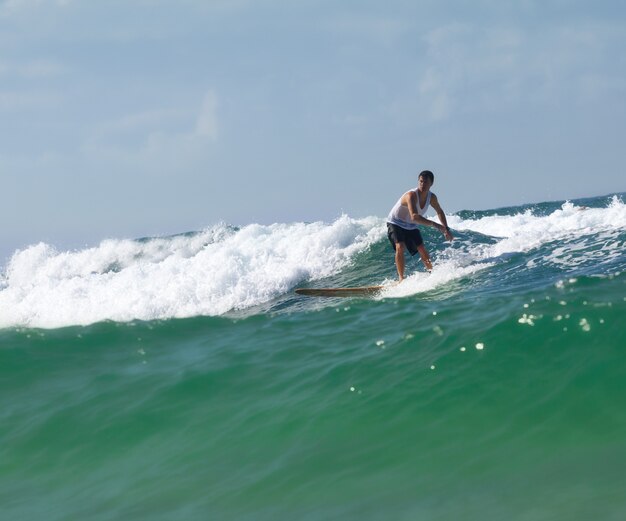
434	202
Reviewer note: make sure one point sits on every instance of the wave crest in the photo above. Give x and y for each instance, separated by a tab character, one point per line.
207	273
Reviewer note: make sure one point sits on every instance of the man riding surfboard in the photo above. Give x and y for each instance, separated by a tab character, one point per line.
407	213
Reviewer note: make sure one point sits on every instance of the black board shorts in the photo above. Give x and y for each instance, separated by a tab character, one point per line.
411	238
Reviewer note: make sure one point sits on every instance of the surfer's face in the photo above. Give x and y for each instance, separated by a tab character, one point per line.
423	183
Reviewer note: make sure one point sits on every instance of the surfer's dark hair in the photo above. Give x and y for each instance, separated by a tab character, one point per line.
428	175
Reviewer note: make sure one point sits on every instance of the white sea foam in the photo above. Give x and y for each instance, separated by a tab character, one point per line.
525	231
423	282
223	269
208	273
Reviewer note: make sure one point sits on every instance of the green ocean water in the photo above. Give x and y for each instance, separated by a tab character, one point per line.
498	394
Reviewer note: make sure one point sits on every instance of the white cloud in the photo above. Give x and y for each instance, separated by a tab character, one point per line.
12	101
41	69
469	68
34	69
155	128
437	104
206	124
157	143
11	7
144	122
384	30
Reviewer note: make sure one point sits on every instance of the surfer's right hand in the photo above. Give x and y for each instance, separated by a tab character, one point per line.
446	232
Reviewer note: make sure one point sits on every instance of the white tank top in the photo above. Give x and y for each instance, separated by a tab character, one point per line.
400	215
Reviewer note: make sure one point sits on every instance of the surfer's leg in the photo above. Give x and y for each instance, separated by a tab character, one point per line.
425	257
400	260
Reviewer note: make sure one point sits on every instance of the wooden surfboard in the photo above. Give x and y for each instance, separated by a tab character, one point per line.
339	292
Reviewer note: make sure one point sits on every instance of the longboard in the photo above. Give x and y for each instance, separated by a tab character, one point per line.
339	292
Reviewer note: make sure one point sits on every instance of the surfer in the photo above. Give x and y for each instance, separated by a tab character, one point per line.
407	213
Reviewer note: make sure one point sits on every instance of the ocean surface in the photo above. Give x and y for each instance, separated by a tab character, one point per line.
180	378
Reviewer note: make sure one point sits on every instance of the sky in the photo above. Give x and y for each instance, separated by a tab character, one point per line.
123	119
